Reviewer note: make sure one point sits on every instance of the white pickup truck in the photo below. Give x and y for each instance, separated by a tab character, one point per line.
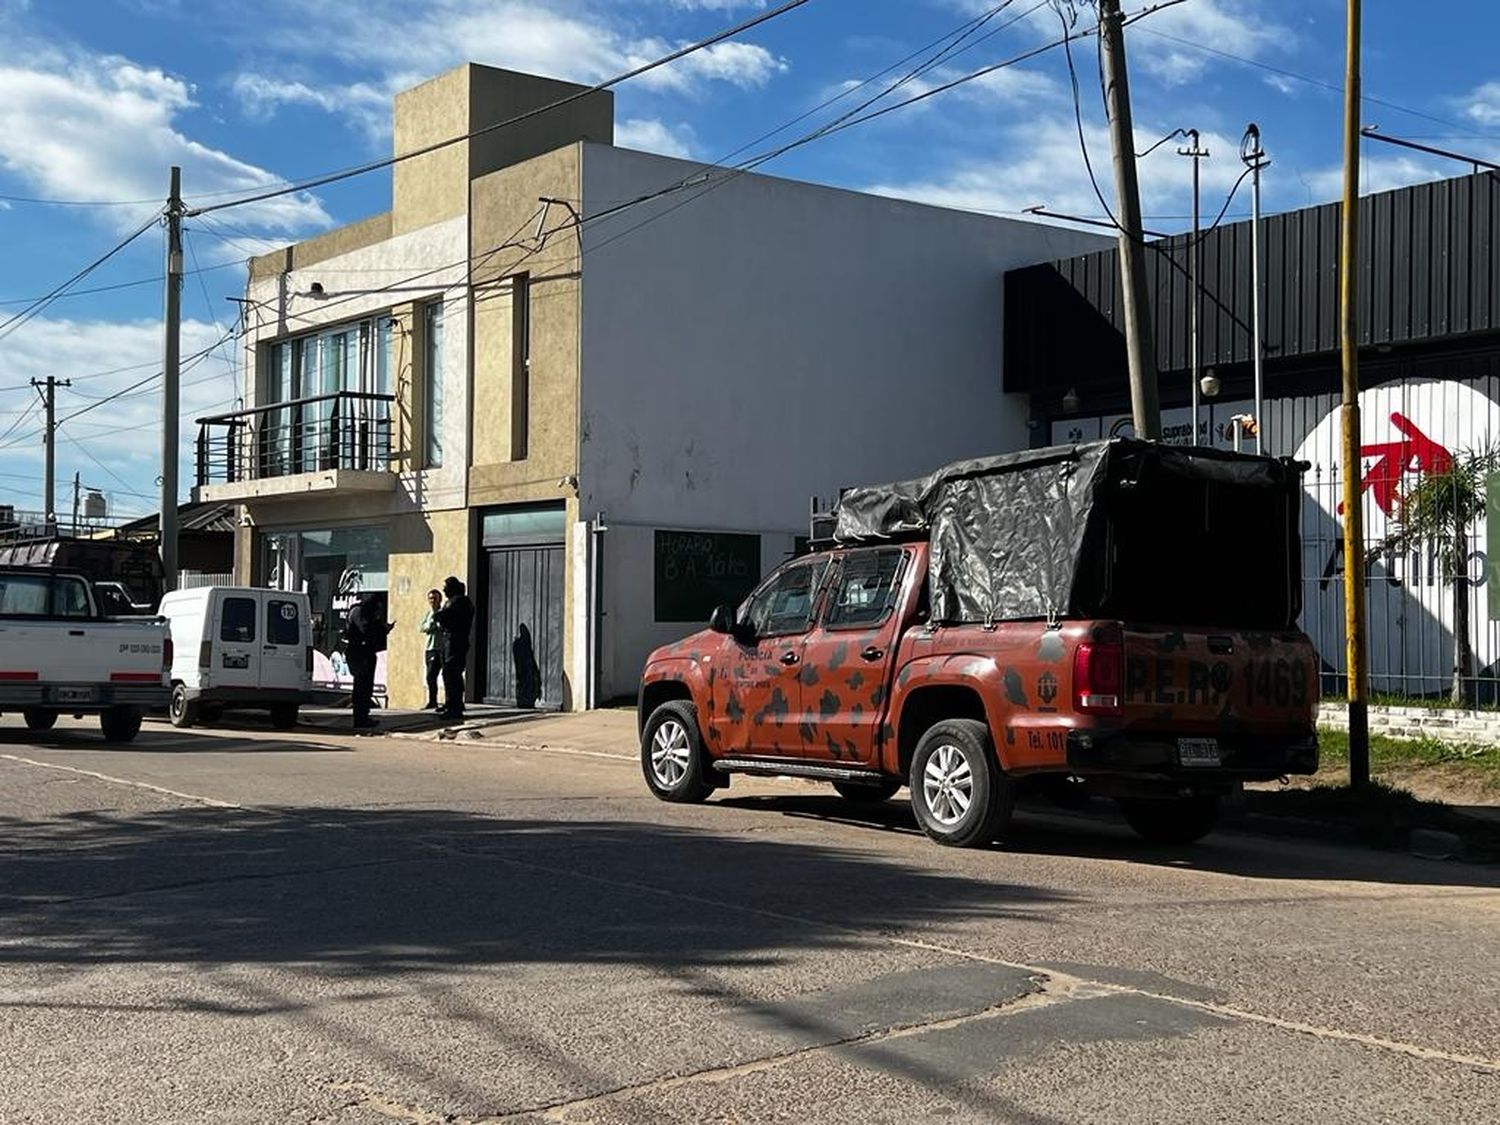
60	656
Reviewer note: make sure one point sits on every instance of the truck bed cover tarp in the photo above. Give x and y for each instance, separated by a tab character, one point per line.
1007	532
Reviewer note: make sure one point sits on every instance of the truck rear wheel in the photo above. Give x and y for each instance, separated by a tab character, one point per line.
960	795
672	755
37	719
868	794
1174	820
120	724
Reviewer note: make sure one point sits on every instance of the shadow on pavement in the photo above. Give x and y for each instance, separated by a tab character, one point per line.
166	740
390	889
1097	831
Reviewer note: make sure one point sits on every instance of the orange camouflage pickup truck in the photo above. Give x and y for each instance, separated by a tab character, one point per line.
1116	619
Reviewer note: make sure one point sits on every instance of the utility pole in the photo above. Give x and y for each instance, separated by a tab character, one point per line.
47	388
77	481
1356	665
1255	159
1196	152
171	356
1145	406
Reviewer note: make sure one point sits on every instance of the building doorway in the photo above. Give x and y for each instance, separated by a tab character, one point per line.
523	566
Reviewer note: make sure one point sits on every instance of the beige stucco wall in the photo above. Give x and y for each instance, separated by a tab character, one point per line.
424	551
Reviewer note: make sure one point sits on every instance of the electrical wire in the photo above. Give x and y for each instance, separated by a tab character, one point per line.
156	280
391	161
36	307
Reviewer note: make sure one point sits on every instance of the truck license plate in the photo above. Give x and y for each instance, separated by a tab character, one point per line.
1198	751
75	695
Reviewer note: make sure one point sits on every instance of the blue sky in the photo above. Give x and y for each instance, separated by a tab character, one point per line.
99	97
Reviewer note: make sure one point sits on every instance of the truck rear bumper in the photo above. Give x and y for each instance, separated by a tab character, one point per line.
1165	759
82	699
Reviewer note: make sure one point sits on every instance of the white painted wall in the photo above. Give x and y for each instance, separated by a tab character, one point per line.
749	347
368	281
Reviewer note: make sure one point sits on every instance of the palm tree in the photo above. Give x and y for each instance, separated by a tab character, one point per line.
1439	511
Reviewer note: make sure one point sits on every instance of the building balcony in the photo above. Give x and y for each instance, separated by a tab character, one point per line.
328	443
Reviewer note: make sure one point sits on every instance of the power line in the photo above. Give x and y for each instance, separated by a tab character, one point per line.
42	302
1311	81
156	280
377	165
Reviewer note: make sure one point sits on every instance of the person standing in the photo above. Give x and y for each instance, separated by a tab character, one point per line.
456	619
433	654
365	635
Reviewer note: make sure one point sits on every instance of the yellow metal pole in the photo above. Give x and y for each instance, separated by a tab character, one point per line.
1354	548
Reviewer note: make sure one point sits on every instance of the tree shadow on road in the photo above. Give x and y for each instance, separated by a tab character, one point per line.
390	888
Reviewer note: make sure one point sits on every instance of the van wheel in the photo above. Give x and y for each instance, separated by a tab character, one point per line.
37	719
1174	820
672	755
868	794
182	711
960	795
120	724
284	716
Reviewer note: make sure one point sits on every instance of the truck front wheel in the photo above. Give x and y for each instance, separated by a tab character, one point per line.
672	755
181	710
120	724
1175	820
37	719
961	797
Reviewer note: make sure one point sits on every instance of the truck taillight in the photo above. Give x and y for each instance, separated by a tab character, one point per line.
166	654
1098	675
206	655
307	658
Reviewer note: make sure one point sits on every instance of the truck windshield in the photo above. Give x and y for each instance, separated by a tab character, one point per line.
1193	552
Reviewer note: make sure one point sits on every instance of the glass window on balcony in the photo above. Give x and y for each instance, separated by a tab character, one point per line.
433	384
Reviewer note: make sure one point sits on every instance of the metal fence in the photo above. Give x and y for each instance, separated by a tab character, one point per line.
347	430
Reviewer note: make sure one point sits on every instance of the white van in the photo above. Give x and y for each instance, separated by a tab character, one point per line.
238	648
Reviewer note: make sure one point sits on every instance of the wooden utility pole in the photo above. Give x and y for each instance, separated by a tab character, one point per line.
171	373
1145	406
47	388
1357	668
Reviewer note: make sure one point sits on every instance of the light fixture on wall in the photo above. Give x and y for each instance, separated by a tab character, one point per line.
1071	402
1209	384
316	290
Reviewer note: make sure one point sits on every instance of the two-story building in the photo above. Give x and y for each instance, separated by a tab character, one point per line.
598	384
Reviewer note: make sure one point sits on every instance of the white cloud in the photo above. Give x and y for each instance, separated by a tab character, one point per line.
1482	104
124	434
1042	164
1379	173
651	135
84	126
1232	26
397	46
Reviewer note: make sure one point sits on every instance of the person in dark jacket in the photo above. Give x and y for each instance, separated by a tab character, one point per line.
365	634
456	619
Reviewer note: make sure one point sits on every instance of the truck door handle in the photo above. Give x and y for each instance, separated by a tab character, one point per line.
789	657
872	653
1221	646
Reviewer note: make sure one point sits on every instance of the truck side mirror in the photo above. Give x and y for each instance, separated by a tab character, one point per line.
722	619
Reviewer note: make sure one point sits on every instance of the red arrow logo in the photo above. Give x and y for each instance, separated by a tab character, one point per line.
1393	460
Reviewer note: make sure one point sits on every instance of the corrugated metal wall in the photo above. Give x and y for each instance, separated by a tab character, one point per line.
1428	269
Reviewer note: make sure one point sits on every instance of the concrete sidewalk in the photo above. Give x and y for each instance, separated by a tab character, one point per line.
609	731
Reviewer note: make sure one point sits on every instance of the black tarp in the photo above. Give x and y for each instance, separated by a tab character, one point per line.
1020	535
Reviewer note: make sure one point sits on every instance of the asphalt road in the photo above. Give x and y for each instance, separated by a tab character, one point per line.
250	927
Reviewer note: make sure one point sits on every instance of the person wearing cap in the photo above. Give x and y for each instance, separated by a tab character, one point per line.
456	619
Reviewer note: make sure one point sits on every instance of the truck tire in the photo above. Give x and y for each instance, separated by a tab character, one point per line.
672	756
181	710
868	794
284	716
37	719
961	797
1174	820
120	724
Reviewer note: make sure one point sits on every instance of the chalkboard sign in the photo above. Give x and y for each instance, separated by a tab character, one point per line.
697	570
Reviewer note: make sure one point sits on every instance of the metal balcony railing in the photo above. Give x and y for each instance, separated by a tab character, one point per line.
347	430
